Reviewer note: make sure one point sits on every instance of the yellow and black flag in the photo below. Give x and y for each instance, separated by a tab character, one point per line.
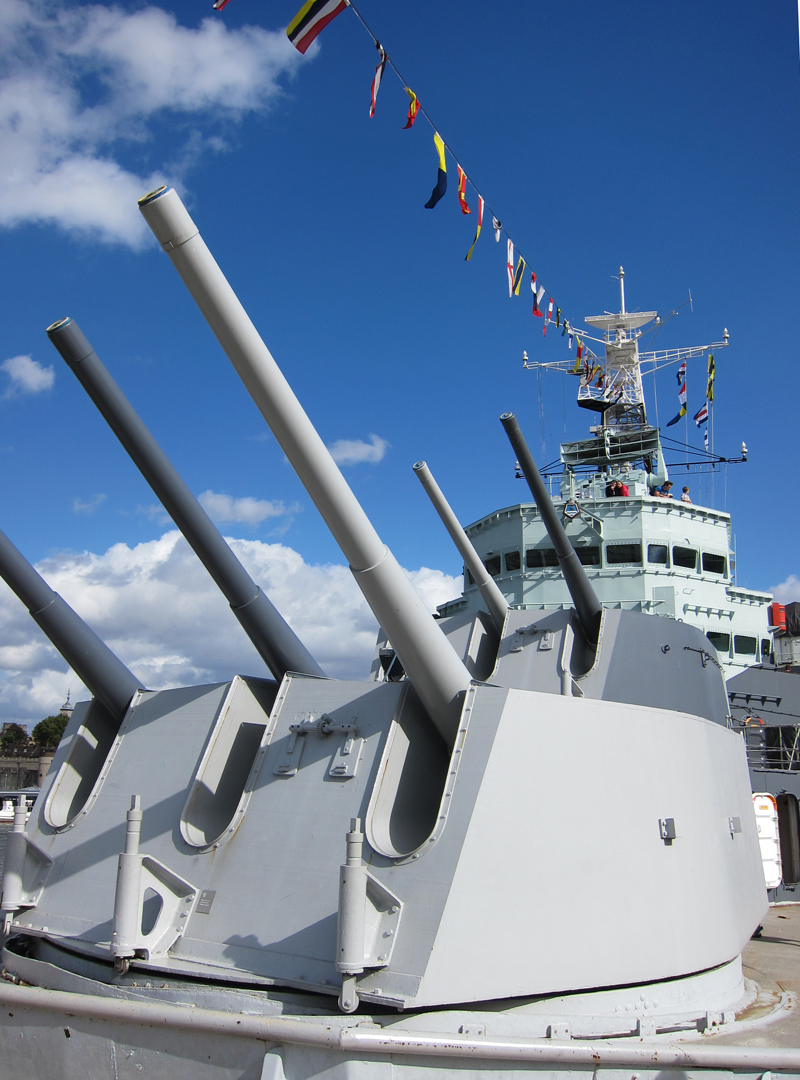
313	17
441	180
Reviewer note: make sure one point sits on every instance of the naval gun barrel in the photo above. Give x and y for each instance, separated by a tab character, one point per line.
276	642
587	606
103	673
433	667
487	586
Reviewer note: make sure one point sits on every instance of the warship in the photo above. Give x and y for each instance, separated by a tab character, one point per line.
664	556
507	851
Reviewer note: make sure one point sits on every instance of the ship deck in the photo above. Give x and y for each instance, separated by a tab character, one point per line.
772	961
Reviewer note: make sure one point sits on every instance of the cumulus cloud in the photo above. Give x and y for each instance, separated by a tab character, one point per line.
788	591
246	511
156	607
84	83
354	451
27	376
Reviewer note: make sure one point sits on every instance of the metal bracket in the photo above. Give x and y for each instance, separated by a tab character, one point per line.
26	868
666	828
324	724
346	758
368	920
289	761
143	880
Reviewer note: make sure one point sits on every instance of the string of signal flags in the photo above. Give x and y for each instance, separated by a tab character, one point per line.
308	23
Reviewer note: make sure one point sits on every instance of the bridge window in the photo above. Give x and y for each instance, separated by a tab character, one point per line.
624	553
492	564
713	564
535	557
513	561
588	556
746	646
685	557
721	642
657	553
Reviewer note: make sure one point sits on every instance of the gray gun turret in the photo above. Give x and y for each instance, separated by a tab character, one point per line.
103	673
409	843
433	667
587	606
276	642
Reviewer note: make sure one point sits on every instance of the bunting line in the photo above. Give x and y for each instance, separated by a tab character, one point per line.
310	20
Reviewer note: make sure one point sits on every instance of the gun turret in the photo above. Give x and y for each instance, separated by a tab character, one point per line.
274	639
587	606
103	673
434	669
487	586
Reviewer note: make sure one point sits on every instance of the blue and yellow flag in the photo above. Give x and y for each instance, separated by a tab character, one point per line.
441	180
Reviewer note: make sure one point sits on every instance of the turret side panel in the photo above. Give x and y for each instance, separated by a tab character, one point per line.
564	880
161	742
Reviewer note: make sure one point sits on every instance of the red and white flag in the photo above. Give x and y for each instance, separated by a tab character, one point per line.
549	315
376	82
536	298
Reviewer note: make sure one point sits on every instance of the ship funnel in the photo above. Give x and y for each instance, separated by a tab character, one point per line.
106	677
435	670
276	642
587	606
487	586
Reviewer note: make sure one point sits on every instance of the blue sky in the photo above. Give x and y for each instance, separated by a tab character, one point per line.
662	138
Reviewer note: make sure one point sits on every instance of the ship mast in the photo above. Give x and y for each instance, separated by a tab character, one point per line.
612	384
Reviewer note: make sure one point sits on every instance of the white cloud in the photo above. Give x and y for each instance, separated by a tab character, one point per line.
788	591
354	451
247	510
60	142
27	376
156	607
80	507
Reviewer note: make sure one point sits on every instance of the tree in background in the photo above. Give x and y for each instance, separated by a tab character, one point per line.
48	732
14	737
